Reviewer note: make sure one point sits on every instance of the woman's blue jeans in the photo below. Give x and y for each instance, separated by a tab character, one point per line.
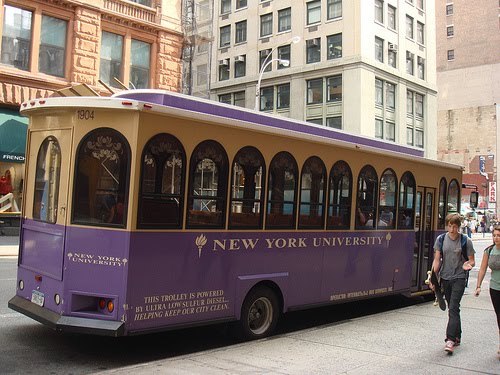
453	292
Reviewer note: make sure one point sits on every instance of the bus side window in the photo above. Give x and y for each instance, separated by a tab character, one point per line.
340	196
387	200
312	194
281	195
247	189
406	211
101	179
442	203
453	197
207	186
161	197
366	200
48	171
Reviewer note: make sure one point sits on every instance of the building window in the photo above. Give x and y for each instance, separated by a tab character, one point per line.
420	33
392	58
262	57
334	45
421	67
449	9
52	46
334	88
390	131
379	11
409	136
419	138
267	98
450	31
451	54
201	74
419	105
316	121
409	27
315	91
225	98
225	36
313	50
284	53
147	3
284	19
240	66
111	58
283	96
420	4
241	4
379	92
379	49
241	32
224	70
409	102
239	99
225	6
139	64
391	17
379	128
16	38
334	9
409	62
390	94
313	12
334	122
266	24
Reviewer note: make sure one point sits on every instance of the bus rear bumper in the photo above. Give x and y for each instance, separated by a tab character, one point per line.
66	323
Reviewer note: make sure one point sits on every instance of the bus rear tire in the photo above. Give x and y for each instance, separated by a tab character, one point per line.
259	314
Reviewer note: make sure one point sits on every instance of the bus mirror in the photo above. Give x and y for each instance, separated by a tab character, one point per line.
474	197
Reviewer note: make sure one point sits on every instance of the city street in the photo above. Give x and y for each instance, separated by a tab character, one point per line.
388	335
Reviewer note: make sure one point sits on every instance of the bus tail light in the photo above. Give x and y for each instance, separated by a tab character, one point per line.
111	306
102	303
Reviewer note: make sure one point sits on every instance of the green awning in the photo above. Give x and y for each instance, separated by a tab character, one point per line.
13	131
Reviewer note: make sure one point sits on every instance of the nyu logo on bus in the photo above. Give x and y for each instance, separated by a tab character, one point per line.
235	244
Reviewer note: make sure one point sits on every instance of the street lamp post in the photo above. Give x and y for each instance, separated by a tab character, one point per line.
266	63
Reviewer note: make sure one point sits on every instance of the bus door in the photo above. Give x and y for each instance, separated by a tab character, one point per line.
46	198
423	253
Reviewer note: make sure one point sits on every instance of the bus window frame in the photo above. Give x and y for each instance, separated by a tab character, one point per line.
321	204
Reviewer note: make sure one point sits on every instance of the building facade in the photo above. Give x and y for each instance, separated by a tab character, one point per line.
468	77
48	45
366	67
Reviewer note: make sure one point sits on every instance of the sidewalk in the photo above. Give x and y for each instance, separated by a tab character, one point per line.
9	246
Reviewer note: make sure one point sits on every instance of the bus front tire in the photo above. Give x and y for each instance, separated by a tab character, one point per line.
259	314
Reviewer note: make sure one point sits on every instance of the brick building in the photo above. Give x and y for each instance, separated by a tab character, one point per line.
468	78
48	45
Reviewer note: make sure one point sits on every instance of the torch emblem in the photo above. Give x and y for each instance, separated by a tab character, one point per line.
200	241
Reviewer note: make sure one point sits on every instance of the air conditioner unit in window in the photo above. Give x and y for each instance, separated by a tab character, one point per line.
224	62
392	47
240	58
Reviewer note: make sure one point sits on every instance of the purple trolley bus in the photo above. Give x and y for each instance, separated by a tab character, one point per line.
151	210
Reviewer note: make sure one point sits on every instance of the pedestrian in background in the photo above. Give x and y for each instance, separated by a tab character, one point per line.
491	258
450	264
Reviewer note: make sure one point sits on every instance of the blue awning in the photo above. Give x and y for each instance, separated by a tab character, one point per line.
13	131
